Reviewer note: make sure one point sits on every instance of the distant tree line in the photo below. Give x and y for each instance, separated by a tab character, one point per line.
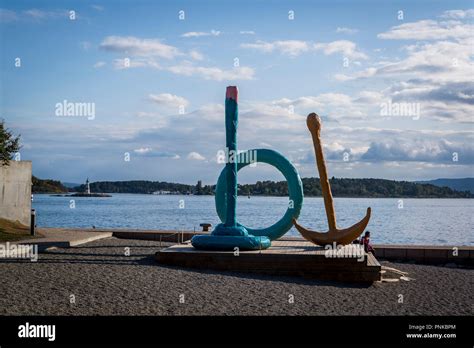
380	188
377	188
142	186
47	186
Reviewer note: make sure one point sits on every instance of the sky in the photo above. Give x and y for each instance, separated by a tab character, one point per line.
392	82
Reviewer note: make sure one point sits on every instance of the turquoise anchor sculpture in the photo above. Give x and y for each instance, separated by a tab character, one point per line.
230	234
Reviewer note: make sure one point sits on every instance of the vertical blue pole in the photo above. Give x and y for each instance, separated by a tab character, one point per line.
231	121
230	234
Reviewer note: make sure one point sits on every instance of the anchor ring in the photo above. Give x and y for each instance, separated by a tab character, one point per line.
295	191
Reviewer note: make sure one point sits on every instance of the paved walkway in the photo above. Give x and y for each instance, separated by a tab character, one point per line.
63	238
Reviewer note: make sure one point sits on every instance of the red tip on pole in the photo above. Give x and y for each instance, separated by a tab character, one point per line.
232	92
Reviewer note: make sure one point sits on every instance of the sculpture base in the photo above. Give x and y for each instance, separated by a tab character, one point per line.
286	257
229	243
236	231
227	238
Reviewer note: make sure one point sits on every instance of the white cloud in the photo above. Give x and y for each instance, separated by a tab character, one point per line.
437	72
134	46
149	152
143	150
430	151
273	123
195	156
306	102
40	14
442	61
372	97
314	102
458	14
188	69
99	64
429	30
98	7
295	48
127	63
288	47
213	73
360	74
142	53
345	47
196	55
34	14
346	30
201	33
168	100
147	114
438	75
281	122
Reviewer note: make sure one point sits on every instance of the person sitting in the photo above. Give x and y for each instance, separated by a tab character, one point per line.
365	240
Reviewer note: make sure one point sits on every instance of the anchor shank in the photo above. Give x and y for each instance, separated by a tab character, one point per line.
314	125
231	120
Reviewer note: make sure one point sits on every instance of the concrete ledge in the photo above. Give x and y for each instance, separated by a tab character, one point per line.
394	253
63	238
165	236
429	254
171	236
417	255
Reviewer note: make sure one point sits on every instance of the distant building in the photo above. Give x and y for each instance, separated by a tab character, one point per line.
162	192
198	190
88	187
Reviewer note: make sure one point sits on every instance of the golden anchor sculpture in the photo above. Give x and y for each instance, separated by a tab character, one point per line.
339	236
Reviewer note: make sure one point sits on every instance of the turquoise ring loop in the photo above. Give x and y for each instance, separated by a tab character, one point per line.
295	191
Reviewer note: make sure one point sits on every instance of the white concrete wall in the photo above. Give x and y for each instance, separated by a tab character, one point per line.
15	191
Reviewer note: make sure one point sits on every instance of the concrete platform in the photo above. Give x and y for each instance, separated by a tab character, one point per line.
287	257
63	238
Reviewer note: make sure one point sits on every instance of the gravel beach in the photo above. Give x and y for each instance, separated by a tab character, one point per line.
99	279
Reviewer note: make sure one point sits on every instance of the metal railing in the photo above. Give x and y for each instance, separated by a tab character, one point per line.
180	235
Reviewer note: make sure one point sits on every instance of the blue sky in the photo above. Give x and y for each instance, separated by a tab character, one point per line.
158	84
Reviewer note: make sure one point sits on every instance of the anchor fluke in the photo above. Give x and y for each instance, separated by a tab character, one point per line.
340	236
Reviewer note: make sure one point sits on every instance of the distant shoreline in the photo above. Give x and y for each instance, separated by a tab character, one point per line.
251	196
80	194
341	187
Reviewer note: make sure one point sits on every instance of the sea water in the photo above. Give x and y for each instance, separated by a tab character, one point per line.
393	221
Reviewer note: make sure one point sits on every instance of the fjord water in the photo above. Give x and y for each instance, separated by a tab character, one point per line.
394	221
